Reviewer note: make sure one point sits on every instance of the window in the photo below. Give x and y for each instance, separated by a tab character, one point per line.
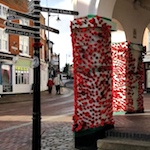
42	33
22	75
0	44
24	21
3	11
0	10
148	42
6	74
42	53
21	43
24	45
3	40
24	40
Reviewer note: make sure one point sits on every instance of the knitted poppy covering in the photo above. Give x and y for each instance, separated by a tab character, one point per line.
92	74
127	77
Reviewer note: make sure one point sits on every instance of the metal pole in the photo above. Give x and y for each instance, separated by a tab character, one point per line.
66	59
48	26
58	62
36	131
49	69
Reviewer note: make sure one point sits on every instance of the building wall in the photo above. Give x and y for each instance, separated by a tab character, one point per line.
44	65
19	6
18	65
15	4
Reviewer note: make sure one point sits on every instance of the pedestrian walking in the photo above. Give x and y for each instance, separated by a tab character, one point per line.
31	90
57	82
50	84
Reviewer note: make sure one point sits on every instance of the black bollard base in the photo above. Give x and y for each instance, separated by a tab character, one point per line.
87	140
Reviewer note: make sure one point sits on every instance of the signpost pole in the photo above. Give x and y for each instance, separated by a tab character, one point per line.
36	131
49	53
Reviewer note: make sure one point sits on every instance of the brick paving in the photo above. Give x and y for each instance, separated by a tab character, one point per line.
57	134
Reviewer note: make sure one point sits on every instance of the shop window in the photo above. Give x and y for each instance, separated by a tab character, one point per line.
6	74
22	75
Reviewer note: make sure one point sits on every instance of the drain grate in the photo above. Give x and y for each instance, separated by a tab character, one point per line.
121	134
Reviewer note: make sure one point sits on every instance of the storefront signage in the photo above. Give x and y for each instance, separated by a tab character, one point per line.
21	68
6	57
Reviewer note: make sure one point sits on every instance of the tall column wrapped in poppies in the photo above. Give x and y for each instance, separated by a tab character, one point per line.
92	76
127	77
119	57
135	79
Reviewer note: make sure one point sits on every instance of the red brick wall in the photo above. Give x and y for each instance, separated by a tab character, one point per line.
43	39
19	5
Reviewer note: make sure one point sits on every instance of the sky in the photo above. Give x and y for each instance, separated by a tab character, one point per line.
62	41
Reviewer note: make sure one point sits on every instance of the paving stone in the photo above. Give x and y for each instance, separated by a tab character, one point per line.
59	138
58	135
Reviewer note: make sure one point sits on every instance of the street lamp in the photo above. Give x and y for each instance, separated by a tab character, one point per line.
58	19
50	47
66	58
50	64
58	62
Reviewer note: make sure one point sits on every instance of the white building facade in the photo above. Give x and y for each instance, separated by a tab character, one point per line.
16	68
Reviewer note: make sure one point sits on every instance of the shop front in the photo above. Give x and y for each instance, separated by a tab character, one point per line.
6	63
22	75
16	74
146	61
147	76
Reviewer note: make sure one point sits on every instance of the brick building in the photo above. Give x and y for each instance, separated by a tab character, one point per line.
16	53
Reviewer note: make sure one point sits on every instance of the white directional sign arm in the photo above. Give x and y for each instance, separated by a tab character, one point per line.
49	28
20	14
14	27
19	26
13	17
20	32
59	11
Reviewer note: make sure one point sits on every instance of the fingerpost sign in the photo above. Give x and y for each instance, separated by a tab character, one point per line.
57	11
